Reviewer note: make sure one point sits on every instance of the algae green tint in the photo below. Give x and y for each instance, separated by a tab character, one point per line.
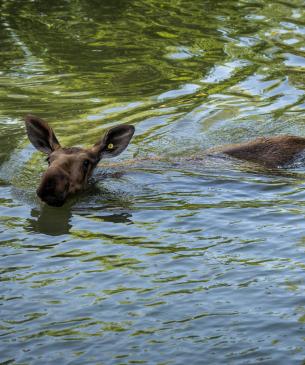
164	257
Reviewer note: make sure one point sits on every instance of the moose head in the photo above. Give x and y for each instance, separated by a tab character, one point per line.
70	167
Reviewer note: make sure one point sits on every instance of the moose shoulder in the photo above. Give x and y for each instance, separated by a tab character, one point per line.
268	151
70	167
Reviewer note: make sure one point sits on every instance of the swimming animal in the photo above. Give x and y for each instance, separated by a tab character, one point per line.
70	167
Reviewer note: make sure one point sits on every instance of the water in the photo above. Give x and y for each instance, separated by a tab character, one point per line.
163	259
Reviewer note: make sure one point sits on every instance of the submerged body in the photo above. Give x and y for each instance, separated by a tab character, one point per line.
270	152
70	168
267	151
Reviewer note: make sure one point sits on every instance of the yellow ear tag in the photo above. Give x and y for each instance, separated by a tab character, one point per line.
110	146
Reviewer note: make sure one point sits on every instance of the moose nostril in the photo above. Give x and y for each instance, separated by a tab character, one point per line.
54	201
57	199
53	189
47	188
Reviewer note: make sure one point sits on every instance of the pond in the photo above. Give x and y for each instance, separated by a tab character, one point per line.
163	259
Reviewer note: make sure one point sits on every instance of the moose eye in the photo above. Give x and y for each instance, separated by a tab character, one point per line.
86	164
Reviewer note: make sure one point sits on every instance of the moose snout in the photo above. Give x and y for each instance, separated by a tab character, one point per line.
53	188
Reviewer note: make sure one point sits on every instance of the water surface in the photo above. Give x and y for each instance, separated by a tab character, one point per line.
160	261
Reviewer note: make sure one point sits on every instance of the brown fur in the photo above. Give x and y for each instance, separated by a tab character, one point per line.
70	167
267	151
67	172
67	163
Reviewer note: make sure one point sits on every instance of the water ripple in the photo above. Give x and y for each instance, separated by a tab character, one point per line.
169	256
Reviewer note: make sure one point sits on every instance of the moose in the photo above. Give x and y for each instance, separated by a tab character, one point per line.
70	167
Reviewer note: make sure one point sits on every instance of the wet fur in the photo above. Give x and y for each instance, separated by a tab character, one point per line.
268	151
271	152
71	167
66	173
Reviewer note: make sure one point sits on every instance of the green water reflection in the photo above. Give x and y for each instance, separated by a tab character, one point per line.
168	257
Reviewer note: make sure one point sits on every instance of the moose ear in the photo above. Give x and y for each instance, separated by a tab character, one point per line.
114	142
41	135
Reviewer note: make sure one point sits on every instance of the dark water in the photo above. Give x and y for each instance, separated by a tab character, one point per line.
158	262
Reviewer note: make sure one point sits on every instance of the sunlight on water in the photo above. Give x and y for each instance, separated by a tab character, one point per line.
169	256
